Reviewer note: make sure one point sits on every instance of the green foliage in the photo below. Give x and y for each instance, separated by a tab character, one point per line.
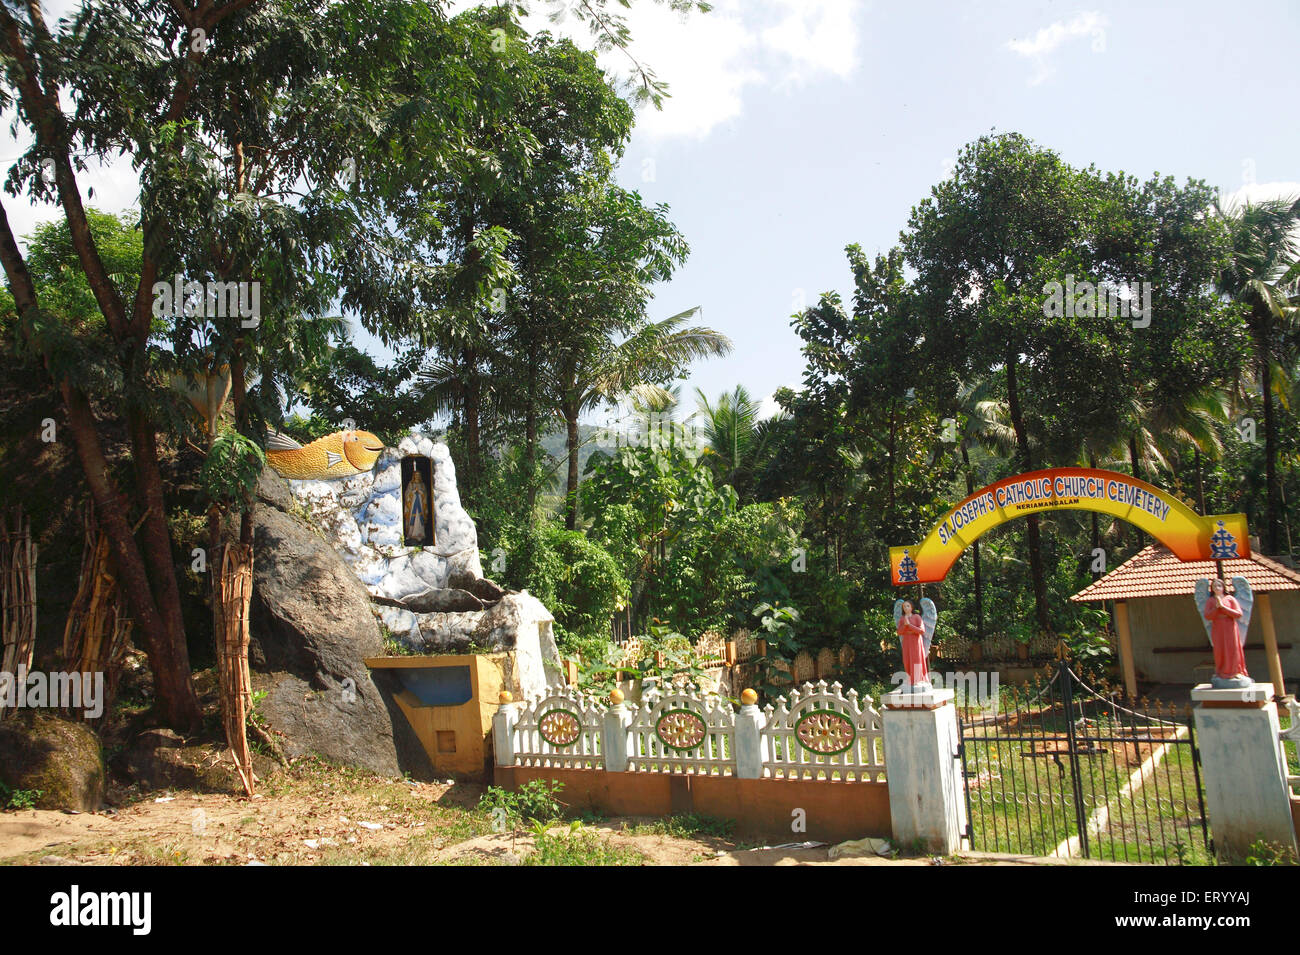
533	802
574	576
349	384
778	627
693	558
664	654
19	798
689	825
232	467
1262	853
579	847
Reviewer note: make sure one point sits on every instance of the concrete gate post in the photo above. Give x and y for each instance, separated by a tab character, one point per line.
927	793
1246	788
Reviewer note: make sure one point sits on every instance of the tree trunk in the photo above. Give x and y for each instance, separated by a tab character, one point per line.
473	407
1136	468
157	540
1273	500
571	444
1032	539
232	590
530	438
1096	527
178	706
892	435
1200	481
979	587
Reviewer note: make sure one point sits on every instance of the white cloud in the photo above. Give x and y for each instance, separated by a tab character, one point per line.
710	60
707	60
1041	49
1254	192
815	35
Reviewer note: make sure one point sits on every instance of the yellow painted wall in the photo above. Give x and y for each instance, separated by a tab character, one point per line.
458	739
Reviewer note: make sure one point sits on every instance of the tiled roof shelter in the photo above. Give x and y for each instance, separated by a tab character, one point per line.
1157	580
1155	572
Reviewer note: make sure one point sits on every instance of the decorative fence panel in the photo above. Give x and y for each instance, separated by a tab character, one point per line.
561	730
821	732
681	733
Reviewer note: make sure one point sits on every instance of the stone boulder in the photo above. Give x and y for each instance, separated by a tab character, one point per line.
160	759
59	757
435	600
518	622
312	629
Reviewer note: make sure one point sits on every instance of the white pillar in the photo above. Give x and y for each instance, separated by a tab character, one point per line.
927	796
748	739
615	736
1244	768
503	731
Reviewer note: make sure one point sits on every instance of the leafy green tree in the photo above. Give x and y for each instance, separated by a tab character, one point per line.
241	117
578	580
349	384
1013	222
977	243
1261	277
981	421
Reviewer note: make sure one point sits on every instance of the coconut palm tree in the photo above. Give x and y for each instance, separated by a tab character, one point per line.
1262	276
638	366
737	443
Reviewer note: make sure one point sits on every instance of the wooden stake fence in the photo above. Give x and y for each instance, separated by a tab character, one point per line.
232	590
97	634
17	594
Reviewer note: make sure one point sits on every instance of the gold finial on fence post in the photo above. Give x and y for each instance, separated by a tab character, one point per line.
505	696
748	697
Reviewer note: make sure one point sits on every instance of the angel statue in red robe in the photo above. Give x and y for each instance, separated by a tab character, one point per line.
1227	618
915	632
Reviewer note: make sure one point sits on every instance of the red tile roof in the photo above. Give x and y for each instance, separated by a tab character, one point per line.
1155	572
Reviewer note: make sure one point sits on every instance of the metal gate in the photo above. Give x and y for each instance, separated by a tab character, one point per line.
1058	768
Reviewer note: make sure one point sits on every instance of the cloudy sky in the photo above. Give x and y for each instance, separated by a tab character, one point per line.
798	126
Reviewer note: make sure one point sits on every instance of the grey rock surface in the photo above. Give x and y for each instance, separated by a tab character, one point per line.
312	628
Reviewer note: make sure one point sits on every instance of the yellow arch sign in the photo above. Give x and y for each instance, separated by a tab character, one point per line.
1187	534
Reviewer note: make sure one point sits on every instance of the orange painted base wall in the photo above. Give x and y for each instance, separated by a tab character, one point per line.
761	808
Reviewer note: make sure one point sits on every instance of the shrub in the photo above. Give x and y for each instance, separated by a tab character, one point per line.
534	801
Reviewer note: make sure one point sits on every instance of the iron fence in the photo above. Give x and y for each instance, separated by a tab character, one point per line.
1059	768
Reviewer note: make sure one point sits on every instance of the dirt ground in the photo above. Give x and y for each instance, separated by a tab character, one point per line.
314	814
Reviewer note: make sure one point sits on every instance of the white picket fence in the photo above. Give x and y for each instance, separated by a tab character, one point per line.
823	731
681	733
819	732
561	730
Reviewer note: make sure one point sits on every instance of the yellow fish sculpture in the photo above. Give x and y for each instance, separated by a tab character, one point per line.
338	455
